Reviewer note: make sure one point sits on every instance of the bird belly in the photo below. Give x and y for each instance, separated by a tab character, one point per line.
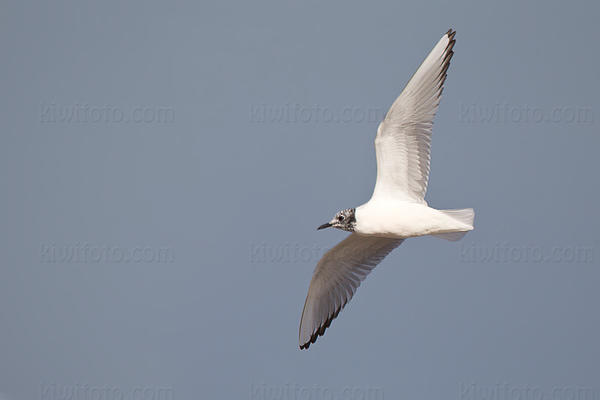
401	220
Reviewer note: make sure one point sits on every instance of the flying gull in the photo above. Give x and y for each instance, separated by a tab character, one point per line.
397	209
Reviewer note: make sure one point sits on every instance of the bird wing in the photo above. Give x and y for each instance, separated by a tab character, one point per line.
337	276
403	139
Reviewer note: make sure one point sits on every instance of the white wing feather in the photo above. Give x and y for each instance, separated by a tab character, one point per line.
403	138
336	278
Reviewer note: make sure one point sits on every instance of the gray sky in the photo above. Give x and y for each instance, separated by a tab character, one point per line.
164	167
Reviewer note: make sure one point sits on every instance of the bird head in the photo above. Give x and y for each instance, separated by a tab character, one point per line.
344	220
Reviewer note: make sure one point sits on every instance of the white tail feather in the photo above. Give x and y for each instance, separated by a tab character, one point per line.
464	217
451	236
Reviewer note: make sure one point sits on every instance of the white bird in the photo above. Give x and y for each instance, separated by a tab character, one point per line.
397	209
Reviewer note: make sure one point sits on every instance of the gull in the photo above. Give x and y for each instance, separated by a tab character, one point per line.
397	209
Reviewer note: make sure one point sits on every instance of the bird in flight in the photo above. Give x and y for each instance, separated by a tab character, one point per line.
397	209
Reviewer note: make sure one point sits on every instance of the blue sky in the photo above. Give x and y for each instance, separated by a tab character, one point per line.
164	167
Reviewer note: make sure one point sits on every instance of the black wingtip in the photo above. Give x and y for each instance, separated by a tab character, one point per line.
446	61
321	330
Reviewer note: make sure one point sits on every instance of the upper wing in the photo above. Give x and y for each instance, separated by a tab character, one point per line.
337	276
403	138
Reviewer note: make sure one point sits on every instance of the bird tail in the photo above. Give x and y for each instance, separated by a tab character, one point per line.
464	217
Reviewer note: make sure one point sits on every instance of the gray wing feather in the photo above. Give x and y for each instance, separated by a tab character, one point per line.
335	280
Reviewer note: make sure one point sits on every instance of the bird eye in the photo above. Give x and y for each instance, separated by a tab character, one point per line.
341	218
